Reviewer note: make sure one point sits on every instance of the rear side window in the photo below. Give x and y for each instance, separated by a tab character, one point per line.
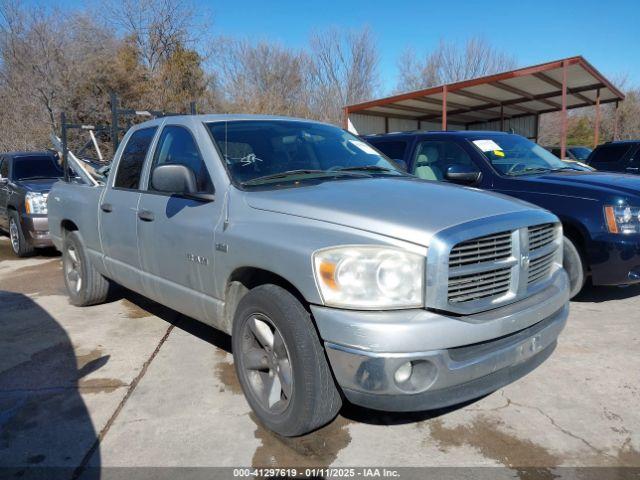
178	147
610	153
132	161
394	150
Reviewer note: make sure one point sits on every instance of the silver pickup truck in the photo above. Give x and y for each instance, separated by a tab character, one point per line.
337	274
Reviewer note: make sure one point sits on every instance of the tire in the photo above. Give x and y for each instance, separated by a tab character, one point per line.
574	265
19	243
311	399
93	288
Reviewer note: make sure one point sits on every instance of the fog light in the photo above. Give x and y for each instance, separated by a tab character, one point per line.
415	376
403	372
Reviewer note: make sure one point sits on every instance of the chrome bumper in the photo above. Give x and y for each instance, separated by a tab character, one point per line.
36	228
453	359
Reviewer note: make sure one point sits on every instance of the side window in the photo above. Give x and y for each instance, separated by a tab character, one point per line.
177	146
4	168
434	157
609	153
394	150
130	166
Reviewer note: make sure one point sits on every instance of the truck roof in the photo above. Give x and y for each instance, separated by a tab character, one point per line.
227	117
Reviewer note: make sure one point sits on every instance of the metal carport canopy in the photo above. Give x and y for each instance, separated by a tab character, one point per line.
494	102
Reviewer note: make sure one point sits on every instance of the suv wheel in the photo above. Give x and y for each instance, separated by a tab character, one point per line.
574	266
281	363
19	243
85	285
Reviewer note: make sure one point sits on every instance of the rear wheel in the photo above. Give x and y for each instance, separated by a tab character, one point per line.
281	363
85	285
573	264
19	243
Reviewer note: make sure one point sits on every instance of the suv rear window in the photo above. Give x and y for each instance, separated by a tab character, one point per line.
610	153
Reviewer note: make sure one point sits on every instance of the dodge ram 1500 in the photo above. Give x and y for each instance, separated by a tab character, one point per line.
295	238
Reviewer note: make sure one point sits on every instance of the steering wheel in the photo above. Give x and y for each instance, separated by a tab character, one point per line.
514	167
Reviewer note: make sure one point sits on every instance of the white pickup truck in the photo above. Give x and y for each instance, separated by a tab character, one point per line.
338	275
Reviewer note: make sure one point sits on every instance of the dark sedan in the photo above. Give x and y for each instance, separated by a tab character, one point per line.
25	181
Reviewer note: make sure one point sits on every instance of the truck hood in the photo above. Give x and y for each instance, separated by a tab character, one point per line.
405	208
591	185
42	185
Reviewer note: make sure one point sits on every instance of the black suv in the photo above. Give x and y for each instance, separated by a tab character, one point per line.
622	157
25	181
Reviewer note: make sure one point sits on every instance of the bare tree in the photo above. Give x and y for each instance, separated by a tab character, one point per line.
450	62
261	78
343	70
156	27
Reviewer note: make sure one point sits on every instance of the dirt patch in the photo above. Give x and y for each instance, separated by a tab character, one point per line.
528	459
42	279
317	449
134	310
6	253
226	373
100	385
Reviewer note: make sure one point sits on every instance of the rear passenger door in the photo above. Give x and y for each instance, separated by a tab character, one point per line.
611	157
119	210
176	235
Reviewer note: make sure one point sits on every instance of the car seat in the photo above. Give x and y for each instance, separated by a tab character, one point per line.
425	165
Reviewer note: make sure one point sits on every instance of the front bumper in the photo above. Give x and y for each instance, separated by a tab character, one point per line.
615	259
453	359
36	229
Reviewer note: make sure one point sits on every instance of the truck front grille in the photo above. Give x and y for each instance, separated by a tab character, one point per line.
490	248
540	236
491	268
494	283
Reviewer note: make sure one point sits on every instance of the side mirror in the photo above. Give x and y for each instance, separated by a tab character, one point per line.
401	164
463	174
177	180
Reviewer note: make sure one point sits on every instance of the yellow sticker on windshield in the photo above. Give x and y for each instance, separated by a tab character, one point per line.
498	153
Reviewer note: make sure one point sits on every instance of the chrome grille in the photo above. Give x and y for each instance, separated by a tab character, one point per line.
540	268
490	248
541	236
475	286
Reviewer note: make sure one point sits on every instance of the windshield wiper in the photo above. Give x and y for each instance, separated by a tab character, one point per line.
530	170
289	173
365	168
39	177
561	169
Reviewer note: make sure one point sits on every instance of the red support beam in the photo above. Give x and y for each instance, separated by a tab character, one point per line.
444	108
596	128
563	114
501	118
615	122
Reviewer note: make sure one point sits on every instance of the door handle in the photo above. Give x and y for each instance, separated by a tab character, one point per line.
106	207
146	215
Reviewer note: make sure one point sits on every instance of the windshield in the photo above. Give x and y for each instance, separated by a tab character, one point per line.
515	155
259	152
32	167
580	153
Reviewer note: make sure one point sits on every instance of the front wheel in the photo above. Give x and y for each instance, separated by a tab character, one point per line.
281	363
573	264
19	242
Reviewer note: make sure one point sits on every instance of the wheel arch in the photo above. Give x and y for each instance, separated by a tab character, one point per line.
243	279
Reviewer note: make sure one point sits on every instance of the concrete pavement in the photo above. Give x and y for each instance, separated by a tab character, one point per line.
131	383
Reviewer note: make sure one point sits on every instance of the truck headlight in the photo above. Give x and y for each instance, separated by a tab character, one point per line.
622	219
369	277
36	203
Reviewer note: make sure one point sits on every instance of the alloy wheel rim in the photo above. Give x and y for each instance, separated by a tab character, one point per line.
72	269
266	363
14	235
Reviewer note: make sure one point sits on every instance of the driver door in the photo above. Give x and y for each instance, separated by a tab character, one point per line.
176	233
432	159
